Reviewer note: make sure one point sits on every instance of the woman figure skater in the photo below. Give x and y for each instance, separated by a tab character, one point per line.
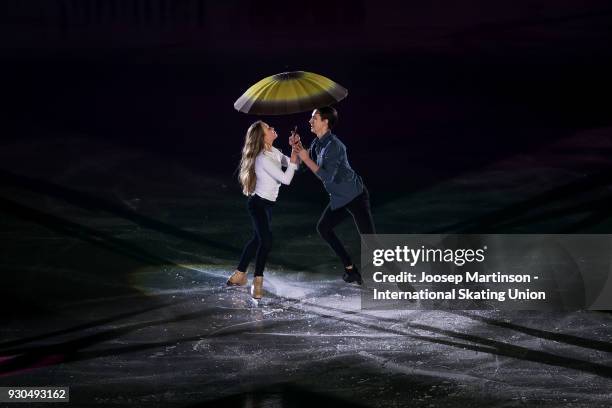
260	175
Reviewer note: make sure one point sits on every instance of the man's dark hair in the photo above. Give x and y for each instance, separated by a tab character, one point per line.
330	114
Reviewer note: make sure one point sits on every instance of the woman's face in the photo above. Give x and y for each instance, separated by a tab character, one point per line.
269	134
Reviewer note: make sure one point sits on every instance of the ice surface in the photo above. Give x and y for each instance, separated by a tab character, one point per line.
120	294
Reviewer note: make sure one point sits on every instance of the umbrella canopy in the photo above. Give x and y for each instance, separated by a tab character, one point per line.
290	92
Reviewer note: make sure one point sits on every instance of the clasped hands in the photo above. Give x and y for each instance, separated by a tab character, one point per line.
296	146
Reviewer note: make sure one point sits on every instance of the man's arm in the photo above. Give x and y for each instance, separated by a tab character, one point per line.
305	158
329	166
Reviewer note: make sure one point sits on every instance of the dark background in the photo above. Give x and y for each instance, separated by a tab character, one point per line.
435	89
121	217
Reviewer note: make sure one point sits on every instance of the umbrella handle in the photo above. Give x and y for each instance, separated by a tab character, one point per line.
294	131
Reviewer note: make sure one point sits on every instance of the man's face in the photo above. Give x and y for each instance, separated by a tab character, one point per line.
317	125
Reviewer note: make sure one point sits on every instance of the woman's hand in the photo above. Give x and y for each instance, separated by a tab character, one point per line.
294	138
294	153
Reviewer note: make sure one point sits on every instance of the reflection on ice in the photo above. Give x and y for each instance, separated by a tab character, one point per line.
313	334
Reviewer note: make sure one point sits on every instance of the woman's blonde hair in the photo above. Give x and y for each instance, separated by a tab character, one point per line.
253	145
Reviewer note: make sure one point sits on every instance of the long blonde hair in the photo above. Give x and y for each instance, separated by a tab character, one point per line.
253	145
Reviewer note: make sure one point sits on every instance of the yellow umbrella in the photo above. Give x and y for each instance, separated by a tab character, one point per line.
290	92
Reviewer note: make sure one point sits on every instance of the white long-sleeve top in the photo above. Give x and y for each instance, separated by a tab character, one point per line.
269	173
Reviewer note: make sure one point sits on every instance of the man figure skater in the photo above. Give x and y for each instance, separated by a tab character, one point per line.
327	159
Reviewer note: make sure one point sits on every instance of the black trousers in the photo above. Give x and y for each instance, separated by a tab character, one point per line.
260	244
359	208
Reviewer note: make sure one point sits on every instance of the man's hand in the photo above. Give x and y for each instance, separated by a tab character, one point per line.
302	153
297	147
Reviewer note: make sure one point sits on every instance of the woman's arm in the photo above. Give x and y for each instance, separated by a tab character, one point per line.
293	159
277	174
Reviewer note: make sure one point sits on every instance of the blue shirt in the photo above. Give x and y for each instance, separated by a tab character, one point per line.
339	179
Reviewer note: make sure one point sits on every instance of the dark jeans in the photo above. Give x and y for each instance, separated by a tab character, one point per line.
359	208
260	244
